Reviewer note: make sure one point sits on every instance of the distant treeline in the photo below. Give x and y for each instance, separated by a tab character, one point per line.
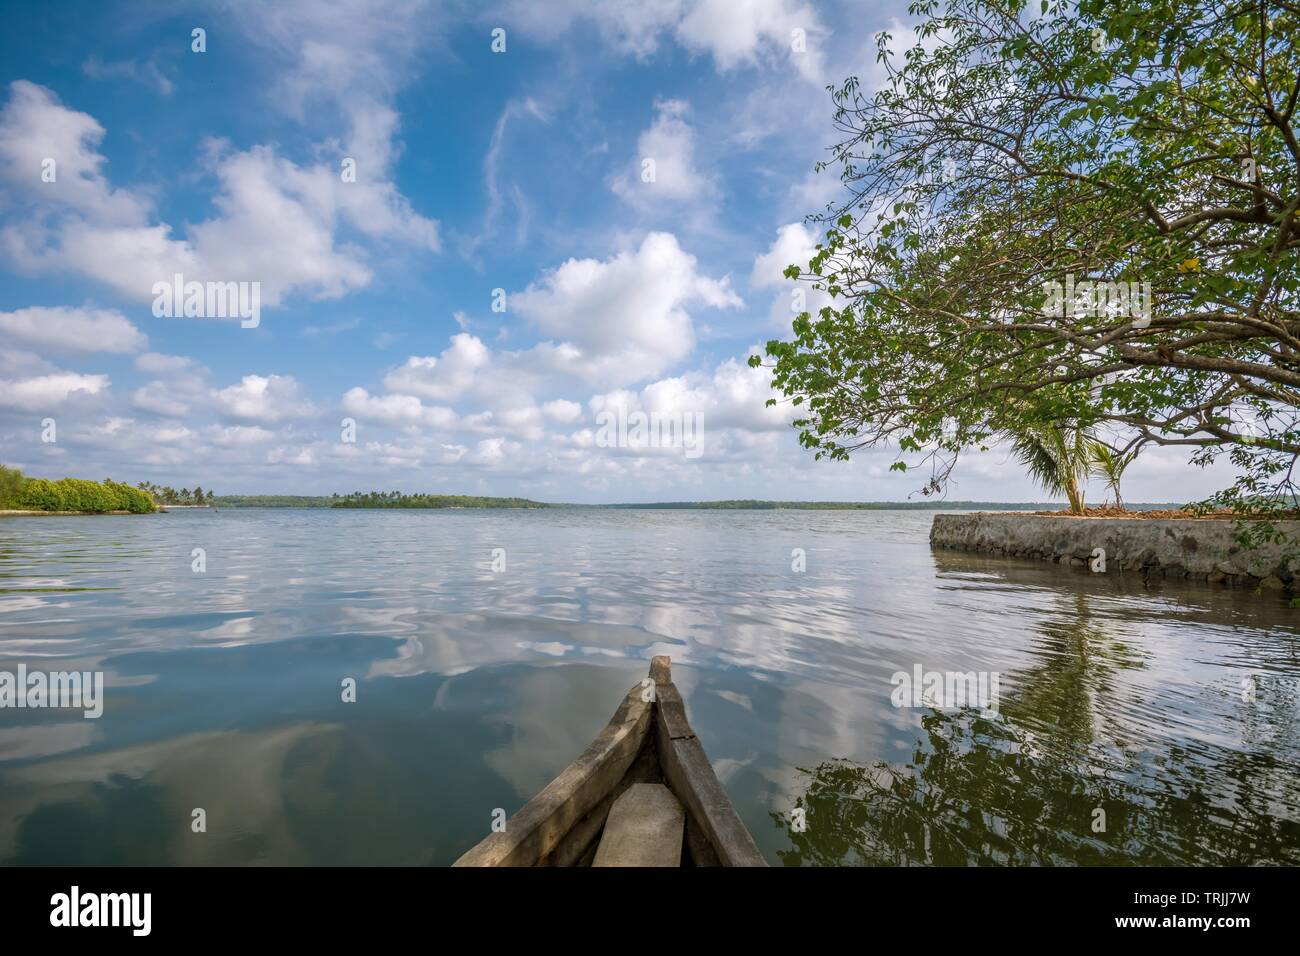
20	493
73	494
395	499
274	501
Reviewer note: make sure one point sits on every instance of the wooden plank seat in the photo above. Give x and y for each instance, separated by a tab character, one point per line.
644	828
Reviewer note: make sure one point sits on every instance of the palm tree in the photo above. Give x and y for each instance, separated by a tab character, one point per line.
1108	464
1056	456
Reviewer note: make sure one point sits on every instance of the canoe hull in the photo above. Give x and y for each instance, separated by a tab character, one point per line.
649	740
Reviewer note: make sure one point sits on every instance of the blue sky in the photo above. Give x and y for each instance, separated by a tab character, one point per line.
476	170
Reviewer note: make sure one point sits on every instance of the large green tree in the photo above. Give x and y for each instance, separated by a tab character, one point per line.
1149	143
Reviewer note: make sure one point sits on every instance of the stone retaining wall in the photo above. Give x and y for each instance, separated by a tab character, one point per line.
1180	548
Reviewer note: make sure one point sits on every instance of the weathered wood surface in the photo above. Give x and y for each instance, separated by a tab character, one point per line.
644	828
539	826
578	846
691	776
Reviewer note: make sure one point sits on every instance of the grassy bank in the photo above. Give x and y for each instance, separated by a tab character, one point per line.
76	495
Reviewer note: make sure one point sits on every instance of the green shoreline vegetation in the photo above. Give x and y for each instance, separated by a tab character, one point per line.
20	493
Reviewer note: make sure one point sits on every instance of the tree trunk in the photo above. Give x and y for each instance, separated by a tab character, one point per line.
1073	492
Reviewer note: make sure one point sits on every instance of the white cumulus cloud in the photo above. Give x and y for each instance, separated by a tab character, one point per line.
623	319
262	398
444	377
665	167
42	393
395	409
64	329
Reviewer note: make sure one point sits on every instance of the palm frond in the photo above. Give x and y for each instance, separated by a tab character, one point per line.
1057	458
1040	459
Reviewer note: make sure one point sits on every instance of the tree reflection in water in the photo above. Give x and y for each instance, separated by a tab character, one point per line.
1022	788
975	794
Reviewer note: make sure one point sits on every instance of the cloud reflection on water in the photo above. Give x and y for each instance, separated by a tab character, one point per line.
474	689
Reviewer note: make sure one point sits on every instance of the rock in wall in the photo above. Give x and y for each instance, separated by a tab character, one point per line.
1181	548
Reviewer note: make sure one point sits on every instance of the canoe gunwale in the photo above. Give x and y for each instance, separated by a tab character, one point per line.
539	826
690	775
714	829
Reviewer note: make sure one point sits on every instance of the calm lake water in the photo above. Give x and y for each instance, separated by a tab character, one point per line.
474	687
